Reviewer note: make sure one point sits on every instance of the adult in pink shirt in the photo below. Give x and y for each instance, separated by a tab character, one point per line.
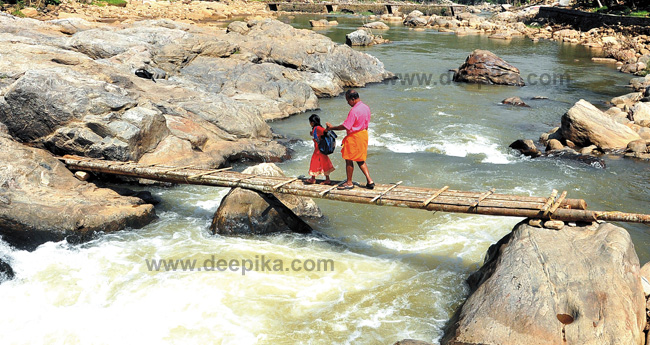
355	143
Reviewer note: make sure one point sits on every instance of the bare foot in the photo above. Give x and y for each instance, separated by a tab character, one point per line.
310	181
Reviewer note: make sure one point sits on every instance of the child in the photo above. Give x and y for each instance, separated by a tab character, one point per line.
320	163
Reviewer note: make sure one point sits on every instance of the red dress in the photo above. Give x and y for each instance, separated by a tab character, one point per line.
320	163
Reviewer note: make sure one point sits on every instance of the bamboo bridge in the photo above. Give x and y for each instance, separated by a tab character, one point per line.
555	207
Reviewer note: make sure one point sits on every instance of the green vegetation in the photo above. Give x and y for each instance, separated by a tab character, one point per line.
634	8
101	3
640	14
17	13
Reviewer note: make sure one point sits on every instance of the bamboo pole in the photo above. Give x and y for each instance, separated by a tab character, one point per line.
386	191
572	203
435	195
264	184
482	197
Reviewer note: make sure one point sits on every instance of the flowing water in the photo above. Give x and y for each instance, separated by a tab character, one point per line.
397	274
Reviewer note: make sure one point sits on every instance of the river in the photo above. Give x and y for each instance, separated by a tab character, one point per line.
397	274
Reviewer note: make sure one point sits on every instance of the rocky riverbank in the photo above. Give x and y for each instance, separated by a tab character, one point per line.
154	92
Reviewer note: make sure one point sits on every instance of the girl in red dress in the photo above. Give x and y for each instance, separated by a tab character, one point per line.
320	163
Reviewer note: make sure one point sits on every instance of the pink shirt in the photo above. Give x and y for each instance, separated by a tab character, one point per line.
358	118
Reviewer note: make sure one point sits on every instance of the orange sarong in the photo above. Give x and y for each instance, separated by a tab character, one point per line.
355	146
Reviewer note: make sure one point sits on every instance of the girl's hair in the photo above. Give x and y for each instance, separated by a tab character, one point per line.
315	119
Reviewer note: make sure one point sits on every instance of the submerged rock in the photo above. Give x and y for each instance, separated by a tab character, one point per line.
578	285
41	200
516	101
526	147
484	67
246	212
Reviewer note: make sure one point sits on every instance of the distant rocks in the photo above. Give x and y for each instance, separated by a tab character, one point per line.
246	212
320	23
376	26
484	67
550	286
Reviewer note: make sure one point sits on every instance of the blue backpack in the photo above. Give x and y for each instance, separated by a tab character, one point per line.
327	143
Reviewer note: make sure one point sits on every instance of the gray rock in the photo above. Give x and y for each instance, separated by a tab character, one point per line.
43	100
71	26
540	286
100	44
305	50
415	21
359	38
484	67
238	27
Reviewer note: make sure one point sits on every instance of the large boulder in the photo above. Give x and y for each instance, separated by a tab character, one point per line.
484	67
584	125
40	201
246	212
578	285
363	38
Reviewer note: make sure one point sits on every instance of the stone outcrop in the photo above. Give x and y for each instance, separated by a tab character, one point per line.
484	67
246	212
578	285
585	125
69	86
41	200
